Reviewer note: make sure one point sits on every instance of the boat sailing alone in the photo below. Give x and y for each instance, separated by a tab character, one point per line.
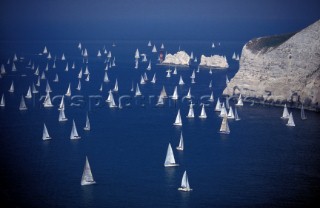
87	177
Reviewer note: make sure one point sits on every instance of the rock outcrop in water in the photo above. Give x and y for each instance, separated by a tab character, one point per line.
281	69
214	61
180	58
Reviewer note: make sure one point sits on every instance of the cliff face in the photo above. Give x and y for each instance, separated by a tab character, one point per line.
284	68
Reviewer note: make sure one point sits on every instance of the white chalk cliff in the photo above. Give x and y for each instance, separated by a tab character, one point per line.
180	58
214	61
281	69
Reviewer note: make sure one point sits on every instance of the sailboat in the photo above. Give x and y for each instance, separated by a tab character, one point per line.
49	56
3	102
191	55
47	101
43	75
211	99
195	60
175	94
11	87
137	54
185	183
38	82
149	66
62	116
154	49
239	103
3	69
116	88
234	55
236	116
22	104
223	111
290	121
73	66
303	115
45	134
203	112
175	71
153	79
45	50
80	74
162	46
87	177
48	88
191	112
99	53
54	65
106	78
68	93
163	92
74	132
149	43
285	114
56	79
136	66
181	82
61	106
101	87
87	78
181	143
160	101
178	121
224	129
142	80
47	67
170	161
34	90
110	100
227	80
29	95
193	75
132	87
63	57
168	73
138	93
79	85
218	106
86	71
14	68
67	67
210	84
230	114
188	96
37	71
87	127
144	59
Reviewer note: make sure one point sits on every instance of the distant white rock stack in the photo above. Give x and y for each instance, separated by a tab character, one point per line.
180	58
215	61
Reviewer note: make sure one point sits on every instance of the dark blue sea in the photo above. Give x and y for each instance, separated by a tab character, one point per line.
261	163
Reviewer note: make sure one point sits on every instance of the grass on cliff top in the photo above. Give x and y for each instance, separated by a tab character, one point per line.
262	44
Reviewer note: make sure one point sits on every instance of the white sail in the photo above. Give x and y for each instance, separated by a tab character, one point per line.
193	75
230	114
11	87
62	116
101	88
87	78
138	93
110	96
79	85
211	99
45	50
37	71
85	53
49	56
74	132
227	80
3	69
181	82
210	71
43	75
61	106
132	87
175	94
175	71
79	45
224	128
38	82
181	143
168	74
285	114
203	112
191	55
163	93
56	79
149	43
68	93
3	102
154	79
160	101
14	68
218	106
137	54
116	88
185	183
290	121
29	95
142	80
136	64
73	66
195	60
149	65
154	49
188	96
191	112
99	53
80	74
106	78
239	103
87	177
22	104
178	121
162	46
170	161
63	57
34	90
236	116
223	111
48	88
47	101
67	67
86	71
45	134
303	115
87	127
47	67
234	55
54	65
